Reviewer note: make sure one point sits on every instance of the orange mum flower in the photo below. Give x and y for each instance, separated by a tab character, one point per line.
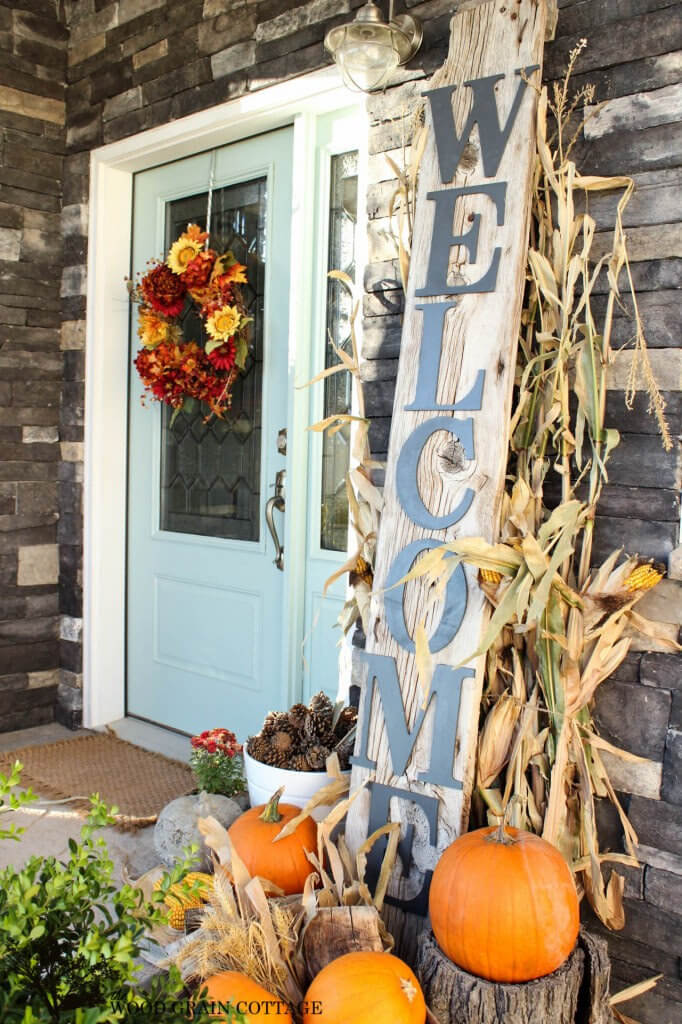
154	329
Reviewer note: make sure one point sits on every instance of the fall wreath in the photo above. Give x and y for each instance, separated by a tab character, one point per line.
192	278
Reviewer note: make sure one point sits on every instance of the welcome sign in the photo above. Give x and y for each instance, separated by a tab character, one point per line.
448	446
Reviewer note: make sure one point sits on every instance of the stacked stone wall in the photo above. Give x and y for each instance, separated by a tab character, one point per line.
33	40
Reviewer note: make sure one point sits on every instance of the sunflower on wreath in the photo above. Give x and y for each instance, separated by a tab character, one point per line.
173	369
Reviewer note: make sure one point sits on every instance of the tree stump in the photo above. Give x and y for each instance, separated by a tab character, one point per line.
576	993
594	1006
338	930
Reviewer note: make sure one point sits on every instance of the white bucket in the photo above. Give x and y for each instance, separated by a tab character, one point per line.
263	780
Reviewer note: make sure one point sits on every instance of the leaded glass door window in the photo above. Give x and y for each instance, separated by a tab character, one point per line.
210	471
339	171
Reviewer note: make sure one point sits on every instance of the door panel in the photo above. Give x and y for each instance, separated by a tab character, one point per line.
205	629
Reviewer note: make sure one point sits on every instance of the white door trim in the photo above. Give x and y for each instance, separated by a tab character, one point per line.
106	377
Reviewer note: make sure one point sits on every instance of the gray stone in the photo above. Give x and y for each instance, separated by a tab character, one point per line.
662	888
176	827
38	565
69	707
300	17
131	99
675	564
642	778
234	58
226	30
40	435
663	670
10	244
657	823
130	9
671	790
633	717
73	281
75	219
676	712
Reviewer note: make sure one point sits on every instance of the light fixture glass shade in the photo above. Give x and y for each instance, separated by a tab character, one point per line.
366	65
368	50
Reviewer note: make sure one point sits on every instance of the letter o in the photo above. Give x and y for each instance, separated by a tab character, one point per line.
454	606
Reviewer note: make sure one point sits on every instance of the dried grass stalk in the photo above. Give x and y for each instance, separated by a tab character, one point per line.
249	926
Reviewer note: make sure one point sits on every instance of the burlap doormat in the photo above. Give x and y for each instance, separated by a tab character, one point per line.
139	782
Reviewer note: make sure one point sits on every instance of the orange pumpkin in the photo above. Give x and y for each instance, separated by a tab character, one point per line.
285	862
504	905
245	996
365	988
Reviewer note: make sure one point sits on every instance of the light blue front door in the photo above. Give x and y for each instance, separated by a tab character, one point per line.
205	622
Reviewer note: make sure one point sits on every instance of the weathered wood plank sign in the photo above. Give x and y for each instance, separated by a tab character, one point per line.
448	445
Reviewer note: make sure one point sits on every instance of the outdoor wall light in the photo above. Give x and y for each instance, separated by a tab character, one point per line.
368	50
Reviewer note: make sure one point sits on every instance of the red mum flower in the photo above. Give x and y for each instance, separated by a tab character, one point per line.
211	746
163	290
223	357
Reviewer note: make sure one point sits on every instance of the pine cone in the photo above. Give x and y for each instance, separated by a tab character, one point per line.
316	756
259	748
276	721
320	704
299	763
282	742
297	715
279	758
308	731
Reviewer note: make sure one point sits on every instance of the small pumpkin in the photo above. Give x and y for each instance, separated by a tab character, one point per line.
285	862
246	996
504	905
365	988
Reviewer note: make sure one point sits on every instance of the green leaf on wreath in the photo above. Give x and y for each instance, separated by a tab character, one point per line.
212	344
242	352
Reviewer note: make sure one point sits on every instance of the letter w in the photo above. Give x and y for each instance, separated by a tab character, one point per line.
484	113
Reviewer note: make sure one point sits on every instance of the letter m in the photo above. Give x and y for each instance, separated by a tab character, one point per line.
484	113
445	695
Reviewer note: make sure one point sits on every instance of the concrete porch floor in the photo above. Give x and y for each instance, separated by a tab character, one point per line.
49	826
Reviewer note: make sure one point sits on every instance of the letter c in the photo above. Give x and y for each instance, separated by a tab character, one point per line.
406	471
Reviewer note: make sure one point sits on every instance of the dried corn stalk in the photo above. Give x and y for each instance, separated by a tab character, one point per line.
558	628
